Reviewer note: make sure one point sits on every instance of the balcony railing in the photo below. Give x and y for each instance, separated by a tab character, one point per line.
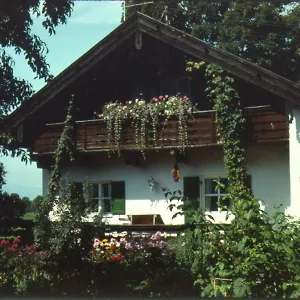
263	124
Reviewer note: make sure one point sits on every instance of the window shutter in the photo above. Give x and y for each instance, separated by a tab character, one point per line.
118	197
191	191
78	188
191	187
249	182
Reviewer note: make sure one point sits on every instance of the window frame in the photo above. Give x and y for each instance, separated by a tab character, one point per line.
217	193
101	206
100	198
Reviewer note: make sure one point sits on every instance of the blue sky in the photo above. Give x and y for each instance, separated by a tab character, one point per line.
90	22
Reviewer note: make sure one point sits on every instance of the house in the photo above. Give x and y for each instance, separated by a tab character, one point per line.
146	56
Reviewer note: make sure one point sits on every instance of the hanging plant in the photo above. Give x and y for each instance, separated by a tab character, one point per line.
144	116
137	112
114	114
173	106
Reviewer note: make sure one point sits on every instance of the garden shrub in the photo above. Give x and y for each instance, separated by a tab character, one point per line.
255	255
22	268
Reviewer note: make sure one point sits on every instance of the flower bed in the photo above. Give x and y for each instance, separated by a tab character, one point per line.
21	266
124	266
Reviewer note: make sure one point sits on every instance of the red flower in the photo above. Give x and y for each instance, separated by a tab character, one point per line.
10	249
113	258
185	98
161	97
4	243
155	99
112	246
16	241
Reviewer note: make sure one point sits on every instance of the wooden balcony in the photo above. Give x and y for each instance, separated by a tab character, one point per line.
263	125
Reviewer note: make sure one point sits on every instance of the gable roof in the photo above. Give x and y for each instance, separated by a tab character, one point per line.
235	65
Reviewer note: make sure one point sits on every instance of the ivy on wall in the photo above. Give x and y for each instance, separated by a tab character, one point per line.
231	125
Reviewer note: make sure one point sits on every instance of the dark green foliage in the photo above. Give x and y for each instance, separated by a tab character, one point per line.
255	255
11	206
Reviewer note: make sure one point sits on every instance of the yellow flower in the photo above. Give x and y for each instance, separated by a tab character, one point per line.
105	241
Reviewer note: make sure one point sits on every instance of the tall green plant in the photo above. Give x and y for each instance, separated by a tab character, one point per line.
63	154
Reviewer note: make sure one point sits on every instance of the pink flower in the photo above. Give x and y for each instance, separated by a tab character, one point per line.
155	99
161	97
185	98
156	236
124	107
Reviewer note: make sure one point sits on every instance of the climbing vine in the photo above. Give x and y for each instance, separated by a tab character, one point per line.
63	154
230	124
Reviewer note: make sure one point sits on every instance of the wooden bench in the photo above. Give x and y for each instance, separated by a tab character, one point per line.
149	219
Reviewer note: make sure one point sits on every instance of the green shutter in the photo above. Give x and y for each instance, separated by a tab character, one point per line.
118	197
191	191
78	189
249	182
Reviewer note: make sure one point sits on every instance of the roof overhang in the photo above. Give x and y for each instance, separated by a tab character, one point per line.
235	65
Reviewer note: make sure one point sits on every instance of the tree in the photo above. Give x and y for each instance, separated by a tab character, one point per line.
11	206
36	202
266	33
16	20
27	203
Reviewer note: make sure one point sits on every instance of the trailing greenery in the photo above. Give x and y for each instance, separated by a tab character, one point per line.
146	118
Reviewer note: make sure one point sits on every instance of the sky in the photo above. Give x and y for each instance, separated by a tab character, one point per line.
90	22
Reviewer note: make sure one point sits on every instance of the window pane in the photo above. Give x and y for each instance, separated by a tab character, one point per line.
95	190
225	182
94	204
211	203
106	205
105	190
210	186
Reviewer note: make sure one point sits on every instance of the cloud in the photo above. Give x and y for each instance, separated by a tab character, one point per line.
95	12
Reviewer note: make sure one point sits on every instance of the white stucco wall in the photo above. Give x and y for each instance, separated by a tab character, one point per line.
294	146
267	164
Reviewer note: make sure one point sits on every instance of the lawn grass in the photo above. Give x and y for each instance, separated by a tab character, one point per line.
29	216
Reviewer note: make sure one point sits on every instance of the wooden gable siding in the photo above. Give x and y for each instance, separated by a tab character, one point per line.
91	135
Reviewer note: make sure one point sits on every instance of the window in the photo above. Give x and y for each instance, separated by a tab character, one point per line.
207	192
214	190
107	197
